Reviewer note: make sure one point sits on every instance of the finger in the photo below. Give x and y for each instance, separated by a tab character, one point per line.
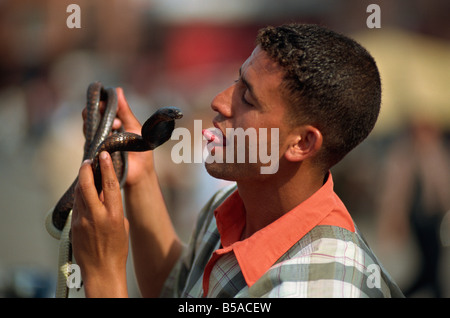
86	186
102	106
124	113
78	203
117	123
110	184
84	113
84	116
80	210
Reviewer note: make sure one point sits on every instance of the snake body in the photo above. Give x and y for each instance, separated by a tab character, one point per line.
97	130
100	137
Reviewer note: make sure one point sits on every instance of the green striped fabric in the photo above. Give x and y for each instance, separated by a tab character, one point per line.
329	261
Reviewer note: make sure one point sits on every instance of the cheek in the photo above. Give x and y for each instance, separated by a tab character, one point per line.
277	138
246	119
271	139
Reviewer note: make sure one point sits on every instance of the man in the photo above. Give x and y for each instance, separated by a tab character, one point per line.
282	234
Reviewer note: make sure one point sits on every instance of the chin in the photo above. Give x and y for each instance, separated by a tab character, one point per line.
234	171
220	171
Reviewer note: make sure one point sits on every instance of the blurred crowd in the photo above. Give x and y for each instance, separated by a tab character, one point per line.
181	53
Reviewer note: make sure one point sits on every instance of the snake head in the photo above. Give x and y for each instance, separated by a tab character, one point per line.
159	127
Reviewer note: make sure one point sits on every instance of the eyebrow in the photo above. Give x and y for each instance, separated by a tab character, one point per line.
249	86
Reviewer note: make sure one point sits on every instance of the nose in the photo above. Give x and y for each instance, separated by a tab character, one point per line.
222	102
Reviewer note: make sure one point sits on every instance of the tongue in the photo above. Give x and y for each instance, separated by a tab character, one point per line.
214	135
208	135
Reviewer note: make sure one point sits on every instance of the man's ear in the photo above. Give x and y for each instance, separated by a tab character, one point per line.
304	142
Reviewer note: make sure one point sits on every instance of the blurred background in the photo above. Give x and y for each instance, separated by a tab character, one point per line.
182	53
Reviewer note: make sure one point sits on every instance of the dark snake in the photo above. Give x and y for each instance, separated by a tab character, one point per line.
100	137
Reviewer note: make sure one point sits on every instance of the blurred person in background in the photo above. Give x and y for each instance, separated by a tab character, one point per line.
415	197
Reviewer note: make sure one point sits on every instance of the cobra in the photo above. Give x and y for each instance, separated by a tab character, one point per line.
100	137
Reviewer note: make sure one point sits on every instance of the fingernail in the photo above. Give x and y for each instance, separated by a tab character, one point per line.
87	162
117	123
104	155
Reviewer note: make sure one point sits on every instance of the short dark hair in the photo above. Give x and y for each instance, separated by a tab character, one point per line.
331	82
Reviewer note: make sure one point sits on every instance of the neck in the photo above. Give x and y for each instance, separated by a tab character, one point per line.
267	200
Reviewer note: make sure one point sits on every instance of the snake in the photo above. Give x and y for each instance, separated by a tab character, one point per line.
99	137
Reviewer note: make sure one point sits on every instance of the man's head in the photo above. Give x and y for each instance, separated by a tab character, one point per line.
330	82
319	90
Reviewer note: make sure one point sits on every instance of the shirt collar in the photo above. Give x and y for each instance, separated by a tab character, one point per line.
267	245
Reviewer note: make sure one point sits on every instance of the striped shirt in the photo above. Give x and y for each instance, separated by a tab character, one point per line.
314	250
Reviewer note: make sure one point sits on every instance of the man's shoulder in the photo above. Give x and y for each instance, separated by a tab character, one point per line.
328	261
326	244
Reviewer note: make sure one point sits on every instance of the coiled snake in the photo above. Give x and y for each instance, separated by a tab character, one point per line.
99	137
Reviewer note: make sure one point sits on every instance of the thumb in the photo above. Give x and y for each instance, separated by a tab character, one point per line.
124	113
110	184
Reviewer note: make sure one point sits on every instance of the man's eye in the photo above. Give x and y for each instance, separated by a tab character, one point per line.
244	99
240	84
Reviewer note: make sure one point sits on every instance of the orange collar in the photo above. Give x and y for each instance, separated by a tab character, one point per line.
260	251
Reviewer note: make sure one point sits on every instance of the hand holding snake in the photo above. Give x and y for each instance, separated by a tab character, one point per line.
138	162
100	232
95	194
